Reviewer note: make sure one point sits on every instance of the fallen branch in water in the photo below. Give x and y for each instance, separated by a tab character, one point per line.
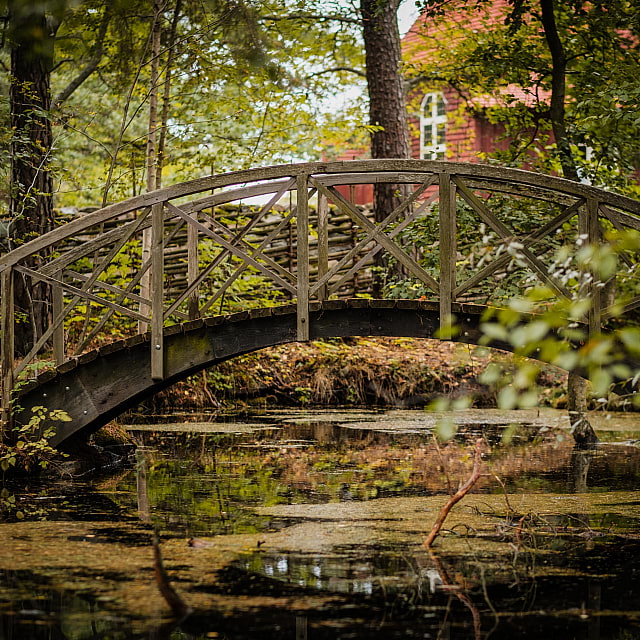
457	496
179	607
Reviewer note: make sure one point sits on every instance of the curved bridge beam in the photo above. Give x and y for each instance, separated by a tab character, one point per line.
98	386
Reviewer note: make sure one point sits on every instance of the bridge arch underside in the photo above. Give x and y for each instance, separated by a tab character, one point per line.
98	386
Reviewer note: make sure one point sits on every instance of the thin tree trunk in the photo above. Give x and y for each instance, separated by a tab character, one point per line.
577	387
94	60
151	153
166	96
387	107
31	203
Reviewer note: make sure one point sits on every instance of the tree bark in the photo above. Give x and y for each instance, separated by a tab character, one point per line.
166	96
558	89
93	62
31	202
577	387
387	106
151	152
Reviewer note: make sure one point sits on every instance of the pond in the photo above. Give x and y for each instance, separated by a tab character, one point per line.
310	525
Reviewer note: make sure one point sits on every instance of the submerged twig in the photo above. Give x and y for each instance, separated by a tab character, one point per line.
179	607
455	589
457	496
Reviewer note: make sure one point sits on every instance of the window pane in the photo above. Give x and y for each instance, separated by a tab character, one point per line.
441	132
442	108
427	106
427	136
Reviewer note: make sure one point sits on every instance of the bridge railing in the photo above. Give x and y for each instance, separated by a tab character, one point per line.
456	232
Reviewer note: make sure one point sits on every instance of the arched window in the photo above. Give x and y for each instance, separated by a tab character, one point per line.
433	127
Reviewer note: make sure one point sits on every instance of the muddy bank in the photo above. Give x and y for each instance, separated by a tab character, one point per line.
388	372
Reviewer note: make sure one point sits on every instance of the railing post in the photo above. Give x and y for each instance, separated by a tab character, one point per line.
145	280
157	291
192	269
589	229
7	350
448	249
302	256
58	333
323	243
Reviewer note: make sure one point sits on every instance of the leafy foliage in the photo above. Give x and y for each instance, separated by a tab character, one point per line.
504	72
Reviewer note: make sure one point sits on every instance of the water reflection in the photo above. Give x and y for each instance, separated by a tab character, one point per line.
321	524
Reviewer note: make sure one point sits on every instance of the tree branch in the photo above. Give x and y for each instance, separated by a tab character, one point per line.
362	74
93	63
313	17
457	496
558	88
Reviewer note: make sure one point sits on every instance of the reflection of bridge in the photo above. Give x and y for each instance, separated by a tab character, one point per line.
118	329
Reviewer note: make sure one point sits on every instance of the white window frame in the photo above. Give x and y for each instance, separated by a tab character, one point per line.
430	149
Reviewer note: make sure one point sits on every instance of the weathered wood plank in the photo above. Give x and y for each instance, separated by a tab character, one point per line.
7	323
528	241
302	265
323	244
448	251
57	300
407	261
192	270
502	230
157	292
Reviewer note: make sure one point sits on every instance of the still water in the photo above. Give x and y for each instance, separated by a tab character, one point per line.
310	525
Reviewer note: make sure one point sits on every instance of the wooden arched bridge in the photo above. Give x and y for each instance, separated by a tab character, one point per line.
147	291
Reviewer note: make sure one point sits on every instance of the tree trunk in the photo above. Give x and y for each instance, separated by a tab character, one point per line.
31	203
166	97
577	387
387	107
151	152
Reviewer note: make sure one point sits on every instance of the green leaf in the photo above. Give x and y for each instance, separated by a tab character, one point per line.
494	331
446	428
508	398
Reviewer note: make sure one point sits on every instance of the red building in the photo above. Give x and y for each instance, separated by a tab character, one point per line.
445	122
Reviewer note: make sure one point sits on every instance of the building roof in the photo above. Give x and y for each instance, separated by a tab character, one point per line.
432	37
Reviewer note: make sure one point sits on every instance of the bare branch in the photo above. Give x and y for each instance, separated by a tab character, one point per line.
93	63
362	74
313	17
457	496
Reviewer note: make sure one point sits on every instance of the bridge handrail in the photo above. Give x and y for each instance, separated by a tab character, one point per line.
198	185
153	307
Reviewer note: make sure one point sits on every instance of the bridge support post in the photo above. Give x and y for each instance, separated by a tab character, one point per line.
192	268
577	387
302	217
589	227
323	243
157	292
448	249
7	312
58	333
